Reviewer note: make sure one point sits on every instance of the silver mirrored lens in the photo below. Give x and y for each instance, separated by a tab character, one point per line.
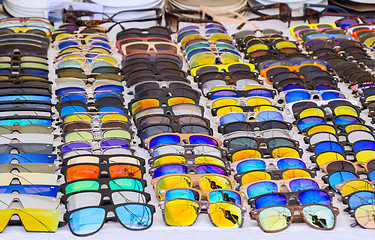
321	137
128	196
187	109
27	201
84	199
355	136
166	149
114	151
207	86
74	153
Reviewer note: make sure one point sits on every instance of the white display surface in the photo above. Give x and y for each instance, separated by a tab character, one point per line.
203	229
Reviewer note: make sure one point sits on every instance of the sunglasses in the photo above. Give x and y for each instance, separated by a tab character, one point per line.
74	201
119	183
103	143
303	197
168	138
132	216
318	216
138	105
279	152
157	78
206	182
187	159
28	167
90	170
260	116
109	159
256	175
254	126
243	142
252	91
141	47
161	93
177	110
197	149
269	164
168	119
26	178
39	148
155	129
359	198
88	135
222	214
185	168
136	64
262	187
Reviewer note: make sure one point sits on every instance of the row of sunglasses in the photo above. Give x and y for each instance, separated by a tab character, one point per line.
331	153
28	166
97	136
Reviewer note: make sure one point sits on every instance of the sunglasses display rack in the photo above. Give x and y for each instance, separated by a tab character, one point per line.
28	180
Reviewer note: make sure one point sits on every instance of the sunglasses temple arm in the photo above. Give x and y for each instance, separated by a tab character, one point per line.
266	17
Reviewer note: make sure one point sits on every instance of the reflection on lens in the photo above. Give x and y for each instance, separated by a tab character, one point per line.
319	216
87	220
225	215
180	212
134	216
259	188
274	218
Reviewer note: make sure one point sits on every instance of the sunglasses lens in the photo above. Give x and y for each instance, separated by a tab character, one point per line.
303	184
202	140
321	128
270	200
294	96
87	220
343	120
232	117
182	193
286	163
274	218
340	177
225	215
261	188
295	173
314	196
124	170
214	182
328	146
249	165
244	154
135	216
114	143
338	165
361	198
173	182
347	22
170	169
254	176
319	216
360	145
180	212
165	139
355	186
224	195
309	122
365	215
